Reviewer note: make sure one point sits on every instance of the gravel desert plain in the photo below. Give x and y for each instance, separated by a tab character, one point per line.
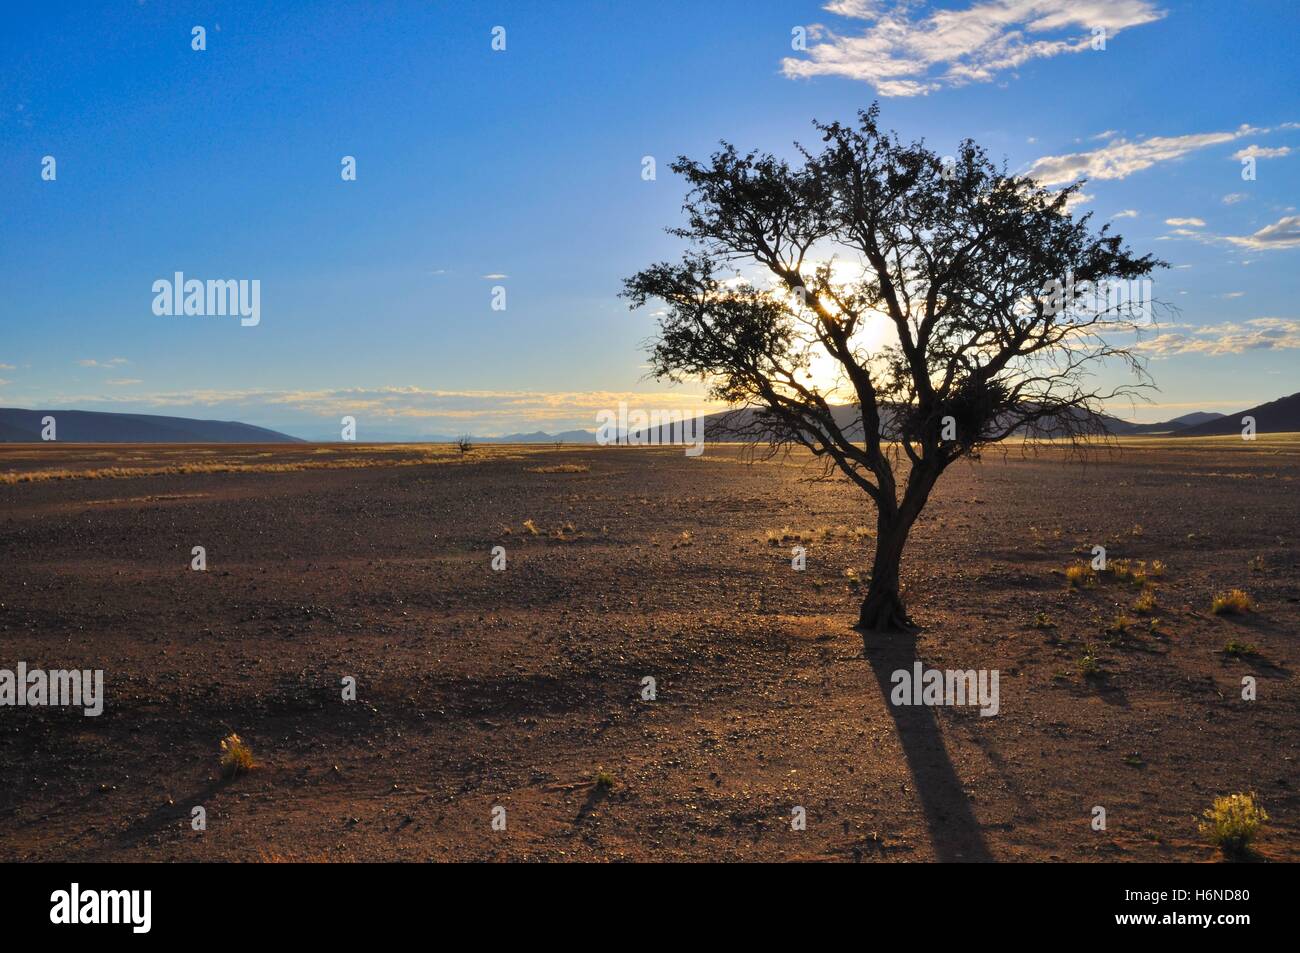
523	688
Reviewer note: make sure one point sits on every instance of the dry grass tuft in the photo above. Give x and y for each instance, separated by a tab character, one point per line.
775	537
236	756
1233	823
1234	649
1146	602
1089	664
1232	602
1080	574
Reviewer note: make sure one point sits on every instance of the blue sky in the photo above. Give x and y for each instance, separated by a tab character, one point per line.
526	163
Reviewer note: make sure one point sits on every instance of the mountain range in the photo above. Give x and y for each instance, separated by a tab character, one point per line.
89	426
85	426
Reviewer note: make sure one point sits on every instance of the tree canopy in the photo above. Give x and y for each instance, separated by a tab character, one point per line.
997	302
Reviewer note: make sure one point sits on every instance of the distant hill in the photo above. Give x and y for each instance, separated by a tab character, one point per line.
1280	416
1191	420
1277	416
1169	426
745	423
540	436
88	426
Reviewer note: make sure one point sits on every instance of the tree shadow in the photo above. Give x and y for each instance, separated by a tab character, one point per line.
955	832
168	815
595	796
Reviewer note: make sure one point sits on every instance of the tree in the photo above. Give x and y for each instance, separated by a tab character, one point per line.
989	292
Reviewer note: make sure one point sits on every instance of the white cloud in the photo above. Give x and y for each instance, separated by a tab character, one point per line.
111	362
1257	334
1262	152
495	276
1284	233
1232	198
902	56
1126	213
1120	159
1197	222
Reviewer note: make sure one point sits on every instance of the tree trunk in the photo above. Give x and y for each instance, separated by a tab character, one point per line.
883	609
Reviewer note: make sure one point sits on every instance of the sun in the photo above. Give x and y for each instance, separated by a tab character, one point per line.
874	333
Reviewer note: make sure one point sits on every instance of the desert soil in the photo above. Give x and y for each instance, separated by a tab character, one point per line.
522	689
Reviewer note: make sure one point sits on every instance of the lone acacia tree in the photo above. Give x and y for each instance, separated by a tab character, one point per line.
987	289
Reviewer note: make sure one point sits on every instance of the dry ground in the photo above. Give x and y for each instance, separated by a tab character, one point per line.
517	689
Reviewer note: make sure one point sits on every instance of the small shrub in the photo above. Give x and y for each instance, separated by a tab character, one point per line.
1043	621
531	527
1080	574
1135	572
463	444
775	537
604	780
236	756
1146	602
1089	666
1232	602
1233	822
1120	624
1234	649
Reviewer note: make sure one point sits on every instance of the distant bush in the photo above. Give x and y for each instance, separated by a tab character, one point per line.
1232	602
236	756
1235	649
775	537
1233	822
1080	574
